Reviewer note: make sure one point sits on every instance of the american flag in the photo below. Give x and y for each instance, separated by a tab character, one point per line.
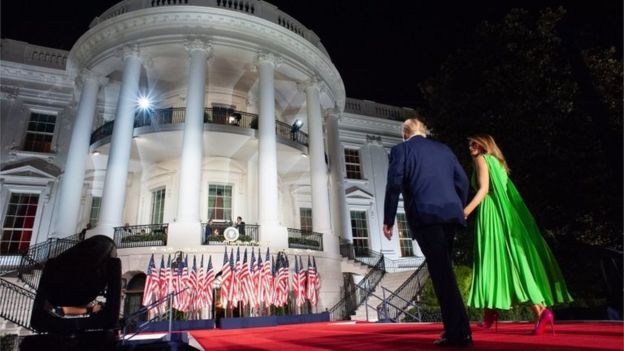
208	283
296	282
266	276
151	292
233	293
226	273
257	280
243	280
301	283
311	282
193	294
179	285
253	278
200	294
281	280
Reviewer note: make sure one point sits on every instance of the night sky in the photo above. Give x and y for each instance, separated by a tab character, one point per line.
382	49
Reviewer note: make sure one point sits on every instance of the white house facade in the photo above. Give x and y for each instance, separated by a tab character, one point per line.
245	115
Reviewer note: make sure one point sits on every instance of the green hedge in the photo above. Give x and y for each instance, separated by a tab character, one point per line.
302	241
144	237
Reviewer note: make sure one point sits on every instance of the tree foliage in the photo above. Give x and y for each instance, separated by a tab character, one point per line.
518	81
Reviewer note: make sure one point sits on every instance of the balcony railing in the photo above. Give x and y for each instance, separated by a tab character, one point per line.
176	115
298	239
141	235
250	234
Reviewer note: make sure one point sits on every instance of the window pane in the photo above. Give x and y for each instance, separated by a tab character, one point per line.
219	202
359	228
18	223
40	132
158	206
352	163
305	216
96	203
405	242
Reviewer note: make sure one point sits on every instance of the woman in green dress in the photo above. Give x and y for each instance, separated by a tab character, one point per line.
512	262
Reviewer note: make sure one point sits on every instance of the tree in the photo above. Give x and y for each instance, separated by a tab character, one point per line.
560	130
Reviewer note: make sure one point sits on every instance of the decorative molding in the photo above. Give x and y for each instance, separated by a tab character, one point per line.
268	57
199	44
129	50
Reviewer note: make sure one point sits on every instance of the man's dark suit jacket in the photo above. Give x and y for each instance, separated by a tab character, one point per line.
433	183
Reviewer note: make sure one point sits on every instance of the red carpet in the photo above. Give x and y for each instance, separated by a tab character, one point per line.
589	336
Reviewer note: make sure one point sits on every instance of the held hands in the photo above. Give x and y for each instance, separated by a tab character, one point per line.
387	229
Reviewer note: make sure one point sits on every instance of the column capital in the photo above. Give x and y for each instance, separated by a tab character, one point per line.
130	50
197	44
313	83
87	74
268	57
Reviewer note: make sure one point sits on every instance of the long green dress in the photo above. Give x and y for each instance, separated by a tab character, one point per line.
512	262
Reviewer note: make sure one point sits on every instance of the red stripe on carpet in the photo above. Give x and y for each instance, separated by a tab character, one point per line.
587	336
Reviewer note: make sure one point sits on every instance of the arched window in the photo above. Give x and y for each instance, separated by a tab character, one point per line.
134	295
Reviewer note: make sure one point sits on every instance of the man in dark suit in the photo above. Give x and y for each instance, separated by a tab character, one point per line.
435	190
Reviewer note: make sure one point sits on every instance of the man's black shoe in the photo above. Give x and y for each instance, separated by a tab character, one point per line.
444	342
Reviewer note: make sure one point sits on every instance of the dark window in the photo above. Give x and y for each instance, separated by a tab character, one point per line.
40	132
18	223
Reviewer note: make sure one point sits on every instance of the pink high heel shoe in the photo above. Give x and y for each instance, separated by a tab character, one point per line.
546	317
490	317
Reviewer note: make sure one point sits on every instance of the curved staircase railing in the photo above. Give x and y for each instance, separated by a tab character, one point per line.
16	303
396	303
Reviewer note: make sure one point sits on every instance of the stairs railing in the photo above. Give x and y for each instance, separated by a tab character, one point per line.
16	303
403	296
362	255
358	293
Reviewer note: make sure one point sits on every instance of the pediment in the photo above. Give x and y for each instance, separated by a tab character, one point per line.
36	168
357	193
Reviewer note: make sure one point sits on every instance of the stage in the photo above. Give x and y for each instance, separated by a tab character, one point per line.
361	336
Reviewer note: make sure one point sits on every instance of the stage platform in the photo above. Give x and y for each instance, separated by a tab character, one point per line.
362	336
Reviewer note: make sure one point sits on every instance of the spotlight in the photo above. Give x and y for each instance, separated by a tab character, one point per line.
297	124
144	103
235	119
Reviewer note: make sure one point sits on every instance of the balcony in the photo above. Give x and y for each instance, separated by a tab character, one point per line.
161	119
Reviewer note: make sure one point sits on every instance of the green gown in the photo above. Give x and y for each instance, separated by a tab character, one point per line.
512	262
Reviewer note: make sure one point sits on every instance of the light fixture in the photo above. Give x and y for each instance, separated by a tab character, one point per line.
304	155
95	153
144	103
297	124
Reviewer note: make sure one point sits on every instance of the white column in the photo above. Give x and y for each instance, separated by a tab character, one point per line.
66	220
187	228
268	207
114	192
336	159
321	220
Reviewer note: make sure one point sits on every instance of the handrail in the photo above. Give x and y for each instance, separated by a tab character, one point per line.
17	303
177	115
406	292
362	255
141	235
384	302
340	310
300	239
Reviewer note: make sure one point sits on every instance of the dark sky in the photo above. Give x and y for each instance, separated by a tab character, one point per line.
381	48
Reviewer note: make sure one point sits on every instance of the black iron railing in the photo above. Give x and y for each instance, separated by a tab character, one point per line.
17	303
299	239
357	294
216	235
361	254
177	115
396	303
141	235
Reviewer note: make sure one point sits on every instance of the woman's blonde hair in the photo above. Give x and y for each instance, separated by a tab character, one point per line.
487	144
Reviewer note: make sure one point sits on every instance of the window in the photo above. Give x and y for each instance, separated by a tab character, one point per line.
40	132
158	206
405	238
352	163
359	228
96	203
305	215
220	202
18	223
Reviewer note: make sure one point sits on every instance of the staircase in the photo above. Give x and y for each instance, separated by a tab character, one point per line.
390	281
19	279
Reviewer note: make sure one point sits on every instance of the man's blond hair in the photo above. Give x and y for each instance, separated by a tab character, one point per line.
414	126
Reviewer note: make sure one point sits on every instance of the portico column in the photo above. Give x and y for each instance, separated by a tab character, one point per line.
268	208
187	228
73	176
114	192
336	159
321	220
